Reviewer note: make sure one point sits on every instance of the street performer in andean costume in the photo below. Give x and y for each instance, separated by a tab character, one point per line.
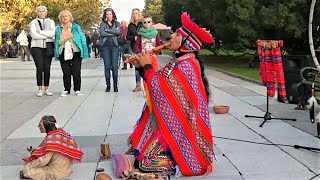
174	132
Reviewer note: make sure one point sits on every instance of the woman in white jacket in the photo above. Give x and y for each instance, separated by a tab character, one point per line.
42	31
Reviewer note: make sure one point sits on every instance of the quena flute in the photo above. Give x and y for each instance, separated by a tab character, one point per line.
158	48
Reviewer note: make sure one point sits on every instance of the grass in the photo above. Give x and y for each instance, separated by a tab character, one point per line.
239	66
235	62
203	52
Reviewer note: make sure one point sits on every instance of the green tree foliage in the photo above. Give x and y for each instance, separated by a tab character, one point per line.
239	23
86	13
153	8
16	14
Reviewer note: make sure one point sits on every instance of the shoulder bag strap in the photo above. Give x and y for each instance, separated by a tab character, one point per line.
40	24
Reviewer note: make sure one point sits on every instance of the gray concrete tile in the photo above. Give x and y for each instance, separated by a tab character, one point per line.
261	90
296	175
218	82
96	114
118	143
256	100
259	159
82	171
10	172
238	91
287	111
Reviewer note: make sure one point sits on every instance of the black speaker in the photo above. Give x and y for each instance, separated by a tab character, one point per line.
292	80
292	64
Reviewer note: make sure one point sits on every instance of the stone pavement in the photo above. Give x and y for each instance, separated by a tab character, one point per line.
98	117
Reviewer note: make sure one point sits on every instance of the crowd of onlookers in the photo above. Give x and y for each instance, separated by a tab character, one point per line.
13	44
69	43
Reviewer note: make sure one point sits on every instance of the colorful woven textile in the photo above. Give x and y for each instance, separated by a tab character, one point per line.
271	67
58	141
121	163
180	118
157	160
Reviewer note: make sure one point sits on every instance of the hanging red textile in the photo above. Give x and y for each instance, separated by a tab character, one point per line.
271	67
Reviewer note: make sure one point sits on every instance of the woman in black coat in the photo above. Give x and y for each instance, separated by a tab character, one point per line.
133	27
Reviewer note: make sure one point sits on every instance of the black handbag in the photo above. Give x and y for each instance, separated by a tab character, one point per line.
50	49
50	45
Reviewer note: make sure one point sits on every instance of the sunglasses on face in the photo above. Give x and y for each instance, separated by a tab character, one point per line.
145	22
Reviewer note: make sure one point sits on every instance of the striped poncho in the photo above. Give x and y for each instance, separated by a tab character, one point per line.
179	116
58	141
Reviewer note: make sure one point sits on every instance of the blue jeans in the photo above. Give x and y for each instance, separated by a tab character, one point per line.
138	77
110	56
125	49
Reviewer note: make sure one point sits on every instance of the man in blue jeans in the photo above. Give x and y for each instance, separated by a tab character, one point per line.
125	48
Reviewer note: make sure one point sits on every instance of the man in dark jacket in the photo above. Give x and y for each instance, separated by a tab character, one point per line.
88	42
94	40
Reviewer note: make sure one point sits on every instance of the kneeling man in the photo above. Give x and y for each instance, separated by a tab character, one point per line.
53	158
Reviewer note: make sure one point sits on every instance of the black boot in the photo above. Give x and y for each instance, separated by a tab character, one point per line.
115	88
124	66
22	175
108	88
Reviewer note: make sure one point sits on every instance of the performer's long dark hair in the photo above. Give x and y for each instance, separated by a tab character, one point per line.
203	76
49	123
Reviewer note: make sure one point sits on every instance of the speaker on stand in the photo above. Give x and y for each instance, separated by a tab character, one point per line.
292	64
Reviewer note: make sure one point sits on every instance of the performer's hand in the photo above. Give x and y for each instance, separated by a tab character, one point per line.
135	63
144	58
127	56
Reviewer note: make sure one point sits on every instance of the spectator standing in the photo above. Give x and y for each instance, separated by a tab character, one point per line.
133	27
22	39
70	48
126	47
42	31
148	38
88	42
109	30
95	41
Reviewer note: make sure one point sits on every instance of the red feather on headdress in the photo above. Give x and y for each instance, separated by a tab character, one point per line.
203	35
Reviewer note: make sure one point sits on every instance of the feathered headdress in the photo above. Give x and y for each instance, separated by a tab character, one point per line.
193	34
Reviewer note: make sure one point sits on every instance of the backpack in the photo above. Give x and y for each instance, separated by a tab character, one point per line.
121	39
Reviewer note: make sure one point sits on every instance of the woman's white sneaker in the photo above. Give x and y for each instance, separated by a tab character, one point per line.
40	93
64	93
48	93
78	93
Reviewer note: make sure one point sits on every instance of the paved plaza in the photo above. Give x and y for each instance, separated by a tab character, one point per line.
99	117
